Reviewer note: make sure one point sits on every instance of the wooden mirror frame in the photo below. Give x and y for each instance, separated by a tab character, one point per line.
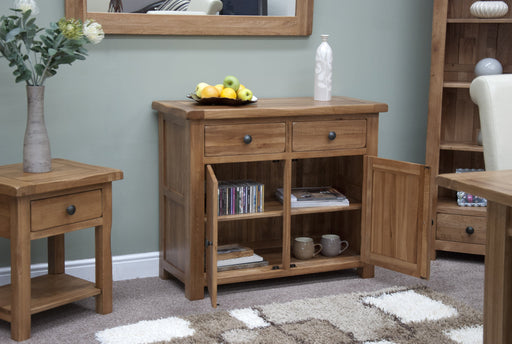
198	25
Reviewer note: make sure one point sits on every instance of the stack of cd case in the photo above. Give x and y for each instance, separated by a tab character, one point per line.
240	197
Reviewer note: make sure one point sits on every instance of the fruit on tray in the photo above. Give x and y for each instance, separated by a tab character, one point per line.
229	88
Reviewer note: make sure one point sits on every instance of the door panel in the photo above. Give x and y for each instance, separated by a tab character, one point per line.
212	187
396	216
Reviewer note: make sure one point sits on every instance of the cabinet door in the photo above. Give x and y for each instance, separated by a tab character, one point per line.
395	223
212	187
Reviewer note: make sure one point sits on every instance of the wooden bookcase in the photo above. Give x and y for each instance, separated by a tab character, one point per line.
295	142
459	41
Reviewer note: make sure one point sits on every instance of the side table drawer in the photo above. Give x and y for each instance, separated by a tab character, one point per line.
238	139
451	227
53	211
329	135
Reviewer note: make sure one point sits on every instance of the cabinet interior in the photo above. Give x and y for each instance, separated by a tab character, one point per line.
264	232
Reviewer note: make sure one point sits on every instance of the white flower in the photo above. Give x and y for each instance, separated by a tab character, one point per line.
25	5
93	31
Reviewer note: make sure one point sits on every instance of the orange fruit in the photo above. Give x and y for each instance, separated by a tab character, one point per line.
219	87
209	92
228	93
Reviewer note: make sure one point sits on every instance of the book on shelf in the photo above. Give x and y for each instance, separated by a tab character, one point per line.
233	251
240	197
241	263
317	196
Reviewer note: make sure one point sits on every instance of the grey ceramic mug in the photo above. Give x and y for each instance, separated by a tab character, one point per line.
332	245
304	248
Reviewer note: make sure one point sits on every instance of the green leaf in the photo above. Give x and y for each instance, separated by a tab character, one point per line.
39	69
52	52
11	35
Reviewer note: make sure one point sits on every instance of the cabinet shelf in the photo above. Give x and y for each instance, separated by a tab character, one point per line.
348	260
479	21
465	147
272	209
449	206
457	84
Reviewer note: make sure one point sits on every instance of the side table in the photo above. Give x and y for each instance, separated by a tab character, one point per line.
71	197
496	187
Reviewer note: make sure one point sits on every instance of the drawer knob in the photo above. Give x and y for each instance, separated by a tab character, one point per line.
71	209
247	139
332	135
470	230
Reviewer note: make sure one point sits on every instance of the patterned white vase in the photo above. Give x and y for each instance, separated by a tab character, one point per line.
489	9
323	70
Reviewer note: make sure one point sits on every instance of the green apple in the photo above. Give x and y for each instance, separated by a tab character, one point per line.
244	94
199	88
232	82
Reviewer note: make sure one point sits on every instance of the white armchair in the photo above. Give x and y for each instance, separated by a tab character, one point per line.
493	95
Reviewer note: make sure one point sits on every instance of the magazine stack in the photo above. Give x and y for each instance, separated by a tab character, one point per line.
322	196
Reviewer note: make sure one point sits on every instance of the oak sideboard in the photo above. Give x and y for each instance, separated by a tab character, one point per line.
285	143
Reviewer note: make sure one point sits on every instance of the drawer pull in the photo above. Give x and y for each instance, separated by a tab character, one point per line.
71	209
247	139
332	135
470	230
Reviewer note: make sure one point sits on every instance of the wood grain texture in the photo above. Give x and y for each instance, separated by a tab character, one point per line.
459	41
33	206
203	25
201	145
496	187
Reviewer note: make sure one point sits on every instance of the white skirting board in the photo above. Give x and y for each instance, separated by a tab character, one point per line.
124	267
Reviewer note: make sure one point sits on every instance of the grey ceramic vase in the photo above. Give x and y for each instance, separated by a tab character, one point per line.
36	146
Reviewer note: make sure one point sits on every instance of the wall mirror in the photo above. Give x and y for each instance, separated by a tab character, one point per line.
296	24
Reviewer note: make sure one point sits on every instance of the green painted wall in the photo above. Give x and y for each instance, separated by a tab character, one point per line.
98	111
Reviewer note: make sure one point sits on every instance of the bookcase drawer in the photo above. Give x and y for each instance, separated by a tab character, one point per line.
451	227
238	139
329	135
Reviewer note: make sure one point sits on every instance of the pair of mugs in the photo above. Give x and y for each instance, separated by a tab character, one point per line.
330	245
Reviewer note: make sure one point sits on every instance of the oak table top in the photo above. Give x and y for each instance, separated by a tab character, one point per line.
493	185
65	173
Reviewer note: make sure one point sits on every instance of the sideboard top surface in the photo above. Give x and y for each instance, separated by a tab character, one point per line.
270	107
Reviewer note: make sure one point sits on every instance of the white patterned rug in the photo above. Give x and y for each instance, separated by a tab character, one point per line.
392	316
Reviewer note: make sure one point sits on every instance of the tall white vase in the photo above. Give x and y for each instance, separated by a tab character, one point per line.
36	145
323	70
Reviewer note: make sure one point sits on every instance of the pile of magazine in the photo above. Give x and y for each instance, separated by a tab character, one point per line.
240	197
322	196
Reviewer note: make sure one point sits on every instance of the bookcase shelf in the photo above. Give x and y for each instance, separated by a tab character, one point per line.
459	41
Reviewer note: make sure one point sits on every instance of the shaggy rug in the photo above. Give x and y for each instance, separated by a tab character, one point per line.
392	316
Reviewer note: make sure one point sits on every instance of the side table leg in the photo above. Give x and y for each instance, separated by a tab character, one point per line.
20	273
103	270
104	255
56	255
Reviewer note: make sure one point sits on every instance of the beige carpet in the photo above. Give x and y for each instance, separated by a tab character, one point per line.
392	316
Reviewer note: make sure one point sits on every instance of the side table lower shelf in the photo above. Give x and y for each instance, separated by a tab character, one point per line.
49	291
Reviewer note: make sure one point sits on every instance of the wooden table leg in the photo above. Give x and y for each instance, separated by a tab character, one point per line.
498	279
56	256
104	255
20	272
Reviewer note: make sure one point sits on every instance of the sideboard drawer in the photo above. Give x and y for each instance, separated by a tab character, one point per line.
66	209
237	139
329	135
451	227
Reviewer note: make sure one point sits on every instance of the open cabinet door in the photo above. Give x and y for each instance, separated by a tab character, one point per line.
212	205
395	233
